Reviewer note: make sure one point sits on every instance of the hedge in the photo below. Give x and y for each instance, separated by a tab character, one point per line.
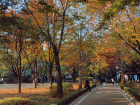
16	101
83	78
130	84
130	91
66	88
72	96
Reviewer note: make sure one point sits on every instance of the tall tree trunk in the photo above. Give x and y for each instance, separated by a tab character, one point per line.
122	70
80	70
35	75
19	77
58	69
36	80
74	75
50	73
19	70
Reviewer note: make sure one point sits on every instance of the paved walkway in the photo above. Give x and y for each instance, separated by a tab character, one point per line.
103	95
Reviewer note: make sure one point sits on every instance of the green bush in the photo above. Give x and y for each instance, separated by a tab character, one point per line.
16	101
84	78
130	84
11	80
90	78
130	91
53	90
72	96
66	88
126	89
135	93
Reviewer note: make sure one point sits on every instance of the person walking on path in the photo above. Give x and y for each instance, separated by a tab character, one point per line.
87	84
112	81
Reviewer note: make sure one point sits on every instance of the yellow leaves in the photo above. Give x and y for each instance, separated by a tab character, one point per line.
24	61
114	10
91	67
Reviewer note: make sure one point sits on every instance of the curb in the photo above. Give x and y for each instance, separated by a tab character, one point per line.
81	98
130	98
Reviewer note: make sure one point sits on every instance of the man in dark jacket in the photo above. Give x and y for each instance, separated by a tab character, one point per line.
87	84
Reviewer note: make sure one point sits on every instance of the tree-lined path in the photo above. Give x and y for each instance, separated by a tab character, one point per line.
104	95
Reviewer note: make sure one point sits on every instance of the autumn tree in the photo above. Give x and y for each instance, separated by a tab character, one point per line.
47	60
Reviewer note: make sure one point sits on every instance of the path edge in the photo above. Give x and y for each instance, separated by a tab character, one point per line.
82	97
126	95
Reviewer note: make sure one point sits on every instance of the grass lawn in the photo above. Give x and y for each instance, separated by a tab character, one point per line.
39	94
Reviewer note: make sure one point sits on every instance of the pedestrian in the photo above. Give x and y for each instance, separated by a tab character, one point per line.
87	84
1	80
112	81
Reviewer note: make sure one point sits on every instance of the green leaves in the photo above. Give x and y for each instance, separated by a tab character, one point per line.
46	7
116	7
78	17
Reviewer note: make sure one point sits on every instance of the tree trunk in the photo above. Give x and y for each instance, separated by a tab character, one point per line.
58	69
74	75
19	70
50	73
80	78
80	69
36	79
35	75
19	76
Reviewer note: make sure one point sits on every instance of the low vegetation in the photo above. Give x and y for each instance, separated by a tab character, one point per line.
67	87
130	84
17	101
130	91
70	94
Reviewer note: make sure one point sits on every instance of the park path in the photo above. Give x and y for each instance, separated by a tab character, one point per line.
106	94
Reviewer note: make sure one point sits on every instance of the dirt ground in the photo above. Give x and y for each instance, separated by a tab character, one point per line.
11	90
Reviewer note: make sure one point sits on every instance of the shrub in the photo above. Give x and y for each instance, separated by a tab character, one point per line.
126	89
11	80
130	91
72	96
26	79
66	88
130	84
84	78
16	101
53	90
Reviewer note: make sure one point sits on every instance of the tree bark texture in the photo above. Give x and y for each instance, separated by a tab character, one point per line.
50	73
35	75
19	69
58	69
80	71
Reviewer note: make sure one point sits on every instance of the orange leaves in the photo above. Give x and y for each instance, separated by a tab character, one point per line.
10	13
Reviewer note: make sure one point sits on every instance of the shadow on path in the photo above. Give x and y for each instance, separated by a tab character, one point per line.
105	95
